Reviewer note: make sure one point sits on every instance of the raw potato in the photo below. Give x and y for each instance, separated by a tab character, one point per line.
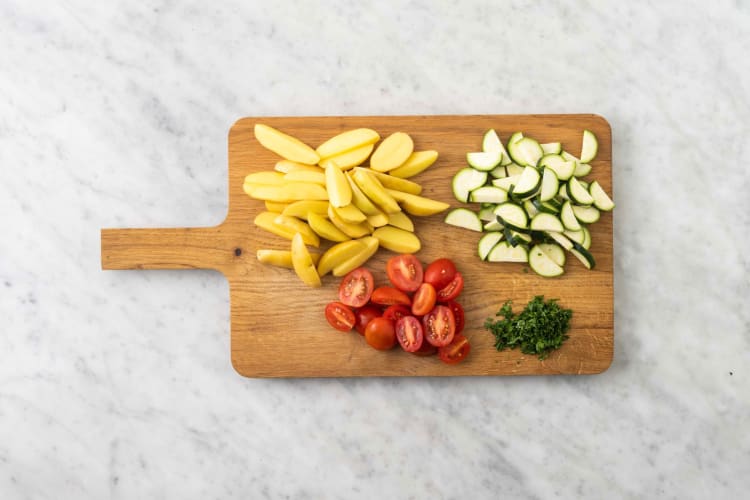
265	178
418	162
401	221
374	190
350	214
291	191
275	206
285	146
314	177
418	205
325	228
378	220
390	182
281	258
297	226
361	201
301	208
303	263
351	230
337	254
370	244
266	220
392	152
338	188
397	240
350	159
347	141
286	166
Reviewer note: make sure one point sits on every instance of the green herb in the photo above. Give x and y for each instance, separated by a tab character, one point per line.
539	329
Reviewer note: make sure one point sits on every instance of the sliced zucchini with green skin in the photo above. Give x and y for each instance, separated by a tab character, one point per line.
546	222
512	215
508	233
550	184
491	142
578	193
589	146
487	213
582	170
531	210
601	200
562	169
545	206
526	152
568	218
513	169
529	182
499	172
514	138
521	237
583	255
569	157
504	252
487	243
488	194
467	180
587	215
561	240
551	148
484	161
555	203
577	236
465	218
542	264
587	240
492	225
506	182
563	192
554	252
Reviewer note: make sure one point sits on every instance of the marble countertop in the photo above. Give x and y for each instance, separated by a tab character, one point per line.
119	384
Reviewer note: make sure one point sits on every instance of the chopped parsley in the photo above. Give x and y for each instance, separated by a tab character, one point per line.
539	329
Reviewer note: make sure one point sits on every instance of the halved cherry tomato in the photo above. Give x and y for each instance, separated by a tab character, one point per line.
458	315
405	272
424	299
396	312
427	349
340	316
356	287
456	351
409	333
363	316
452	289
439	326
440	273
380	334
387	296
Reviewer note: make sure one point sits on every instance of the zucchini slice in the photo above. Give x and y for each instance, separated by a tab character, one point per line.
526	152
601	200
550	184
529	183
487	243
504	252
568	217
488	194
577	236
487	214
484	160
546	222
493	226
543	264
506	182
551	148
589	146
512	215
499	172
467	180
561	240
583	255
465	218
554	252
587	215
582	170
513	169
491	142
578	193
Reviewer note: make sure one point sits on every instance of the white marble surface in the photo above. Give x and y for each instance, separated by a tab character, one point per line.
119	385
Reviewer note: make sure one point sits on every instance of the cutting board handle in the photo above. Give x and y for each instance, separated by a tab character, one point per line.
172	248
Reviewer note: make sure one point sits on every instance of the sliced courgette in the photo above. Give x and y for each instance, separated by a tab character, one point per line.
568	217
578	193
583	255
504	252
506	182
545	206
484	160
512	215
587	215
554	252
587	238
531	210
582	170
542	264
465	218
467	180
487	213
550	185
488	194
551	148
526	152
601	200
589	146
563	168
487	243
546	222
491	142
577	236
529	183
492	225
561	240
499	172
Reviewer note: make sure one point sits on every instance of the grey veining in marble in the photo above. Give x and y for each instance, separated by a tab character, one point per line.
119	385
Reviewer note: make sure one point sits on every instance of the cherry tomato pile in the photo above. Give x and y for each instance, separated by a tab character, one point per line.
418	312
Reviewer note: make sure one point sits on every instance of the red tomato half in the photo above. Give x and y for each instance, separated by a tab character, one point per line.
458	315
363	316
409	333
380	334
452	289
424	300
405	272
440	273
387	296
340	316
439	326
427	349
396	312
456	351
356	287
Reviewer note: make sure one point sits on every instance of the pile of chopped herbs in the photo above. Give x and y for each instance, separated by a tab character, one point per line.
539	329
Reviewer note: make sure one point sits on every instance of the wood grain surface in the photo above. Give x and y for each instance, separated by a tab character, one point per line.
277	323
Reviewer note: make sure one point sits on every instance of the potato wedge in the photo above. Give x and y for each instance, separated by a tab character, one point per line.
418	162
337	254
325	228
303	263
339	192
275	206
347	141
315	177
397	240
350	213
351	230
298	226
286	193
301	208
379	220
281	258
266	178
418	205
370	247
350	159
374	190
360	200
392	152
401	221
390	182
266	220
286	166
284	145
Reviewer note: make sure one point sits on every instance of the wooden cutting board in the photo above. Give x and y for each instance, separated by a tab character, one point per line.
277	323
